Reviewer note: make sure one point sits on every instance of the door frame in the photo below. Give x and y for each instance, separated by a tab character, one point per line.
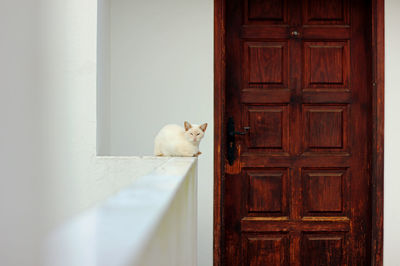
377	145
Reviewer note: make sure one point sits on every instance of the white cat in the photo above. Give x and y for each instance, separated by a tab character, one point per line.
173	140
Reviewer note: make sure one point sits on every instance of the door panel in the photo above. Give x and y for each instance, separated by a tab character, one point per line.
325	128
332	12
297	74
259	54
325	192
267	192
326	66
269	128
265	12
322	249
261	250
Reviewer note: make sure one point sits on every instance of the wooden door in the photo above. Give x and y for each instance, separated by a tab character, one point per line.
298	75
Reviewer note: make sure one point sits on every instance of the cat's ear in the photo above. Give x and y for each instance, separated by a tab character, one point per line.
187	126
203	127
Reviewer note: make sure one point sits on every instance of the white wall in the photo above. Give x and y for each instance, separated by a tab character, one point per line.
20	127
74	177
392	134
103	77
49	169
161	63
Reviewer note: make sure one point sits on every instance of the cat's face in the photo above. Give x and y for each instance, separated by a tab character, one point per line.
194	133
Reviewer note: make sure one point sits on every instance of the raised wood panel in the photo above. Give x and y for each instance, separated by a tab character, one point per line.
323	249
266	11
267	192
266	128
325	128
269	127
261	250
322	12
325	192
326	65
266	64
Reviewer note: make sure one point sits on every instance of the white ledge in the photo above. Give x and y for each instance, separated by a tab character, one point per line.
117	230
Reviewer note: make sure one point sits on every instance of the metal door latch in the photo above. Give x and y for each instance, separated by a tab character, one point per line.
231	145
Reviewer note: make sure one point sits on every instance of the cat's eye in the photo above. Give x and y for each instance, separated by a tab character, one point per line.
198	134
191	134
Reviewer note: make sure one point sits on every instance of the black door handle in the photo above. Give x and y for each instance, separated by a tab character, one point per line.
239	132
231	145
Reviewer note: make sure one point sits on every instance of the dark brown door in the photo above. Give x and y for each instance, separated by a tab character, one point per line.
298	75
